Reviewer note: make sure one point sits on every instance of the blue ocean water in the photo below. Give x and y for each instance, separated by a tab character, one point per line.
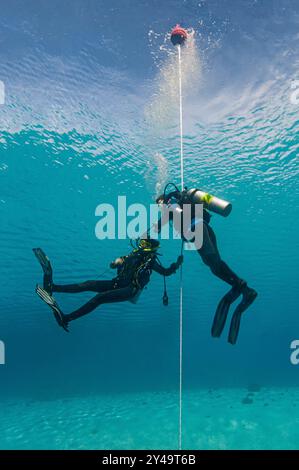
90	114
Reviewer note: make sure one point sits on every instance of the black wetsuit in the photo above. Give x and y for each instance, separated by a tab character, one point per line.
209	250
130	280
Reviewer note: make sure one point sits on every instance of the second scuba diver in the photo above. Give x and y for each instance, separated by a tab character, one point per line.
210	255
133	274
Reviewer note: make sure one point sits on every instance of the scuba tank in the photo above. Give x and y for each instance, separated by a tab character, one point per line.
211	203
197	196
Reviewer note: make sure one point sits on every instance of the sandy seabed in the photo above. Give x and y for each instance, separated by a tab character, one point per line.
212	419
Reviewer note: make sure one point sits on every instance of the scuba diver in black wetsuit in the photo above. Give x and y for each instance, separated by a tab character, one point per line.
133	274
211	257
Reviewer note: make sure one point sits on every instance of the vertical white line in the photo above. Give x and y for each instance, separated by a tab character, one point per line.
181	119
181	270
181	359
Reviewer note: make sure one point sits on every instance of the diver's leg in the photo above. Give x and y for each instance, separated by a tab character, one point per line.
211	257
87	286
116	295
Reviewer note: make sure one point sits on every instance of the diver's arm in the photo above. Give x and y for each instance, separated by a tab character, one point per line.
167	271
168	215
164	199
117	262
157	227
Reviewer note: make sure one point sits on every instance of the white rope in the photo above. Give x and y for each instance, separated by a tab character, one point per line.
181	270
181	119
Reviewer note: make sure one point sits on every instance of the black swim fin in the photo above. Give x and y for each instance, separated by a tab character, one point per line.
249	296
222	310
46	297
47	269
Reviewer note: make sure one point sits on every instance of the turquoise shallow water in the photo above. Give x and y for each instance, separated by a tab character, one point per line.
90	113
213	419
